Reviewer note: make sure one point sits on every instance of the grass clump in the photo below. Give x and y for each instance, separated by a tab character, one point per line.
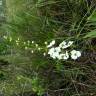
28	71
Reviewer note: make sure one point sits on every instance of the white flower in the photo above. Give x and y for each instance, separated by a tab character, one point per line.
75	54
54	52
51	51
5	37
18	39
10	39
55	55
0	2
39	49
28	41
66	55
70	43
64	44
51	44
26	48
63	56
36	45
32	42
45	43
17	43
32	51
57	49
24	43
44	54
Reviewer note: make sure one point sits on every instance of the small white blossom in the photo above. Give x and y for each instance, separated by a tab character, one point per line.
44	54
5	37
10	39
51	51
75	54
24	43
63	56
17	43
45	43
64	44
18	39
39	49
32	42
36	45
55	55
57	49
32	51
0	2
70	43
26	48
51	44
54	52
28	41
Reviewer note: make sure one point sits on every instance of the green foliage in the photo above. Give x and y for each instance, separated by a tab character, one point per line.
40	21
92	19
91	34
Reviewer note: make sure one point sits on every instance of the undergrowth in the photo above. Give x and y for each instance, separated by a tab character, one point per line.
23	73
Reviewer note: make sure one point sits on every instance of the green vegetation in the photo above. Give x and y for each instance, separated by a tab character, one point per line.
25	67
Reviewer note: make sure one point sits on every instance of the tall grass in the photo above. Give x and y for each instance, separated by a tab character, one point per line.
41	21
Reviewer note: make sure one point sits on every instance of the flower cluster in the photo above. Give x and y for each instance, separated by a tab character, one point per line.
61	53
26	45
